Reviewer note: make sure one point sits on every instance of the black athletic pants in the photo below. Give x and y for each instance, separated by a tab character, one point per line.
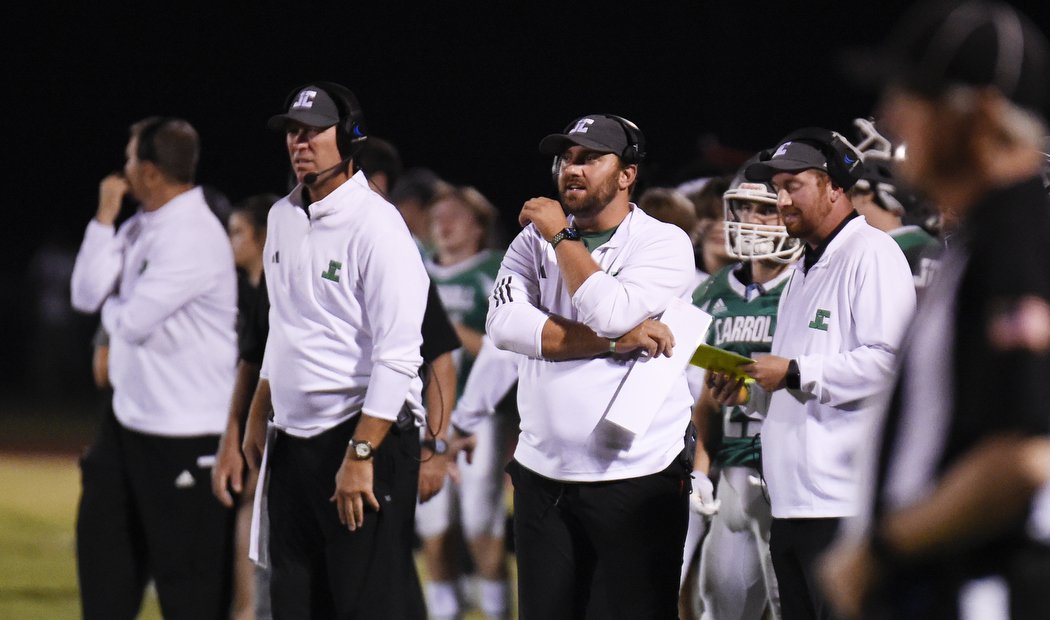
795	546
320	569
146	510
600	549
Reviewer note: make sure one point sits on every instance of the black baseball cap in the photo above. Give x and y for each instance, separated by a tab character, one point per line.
311	106
938	45
596	132
791	156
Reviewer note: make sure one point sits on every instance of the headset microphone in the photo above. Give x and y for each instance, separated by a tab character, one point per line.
311	177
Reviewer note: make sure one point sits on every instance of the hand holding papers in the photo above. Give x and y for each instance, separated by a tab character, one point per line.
649	380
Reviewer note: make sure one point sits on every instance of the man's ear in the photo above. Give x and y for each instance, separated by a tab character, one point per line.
834	191
628	175
151	174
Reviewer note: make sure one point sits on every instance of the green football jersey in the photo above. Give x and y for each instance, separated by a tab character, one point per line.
464	290
745	317
917	245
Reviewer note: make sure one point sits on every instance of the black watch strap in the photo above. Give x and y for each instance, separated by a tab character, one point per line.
569	233
793	379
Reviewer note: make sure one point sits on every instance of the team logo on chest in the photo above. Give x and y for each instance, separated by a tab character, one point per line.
333	271
818	320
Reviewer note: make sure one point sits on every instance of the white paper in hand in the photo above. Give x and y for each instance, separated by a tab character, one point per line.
259	536
649	380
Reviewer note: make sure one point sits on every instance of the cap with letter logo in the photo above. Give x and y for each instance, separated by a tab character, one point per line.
789	157
311	106
596	132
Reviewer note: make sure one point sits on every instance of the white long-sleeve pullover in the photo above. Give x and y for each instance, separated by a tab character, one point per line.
347	293
562	404
843	322
167	288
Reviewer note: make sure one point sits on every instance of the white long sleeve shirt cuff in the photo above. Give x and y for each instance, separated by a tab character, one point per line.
517	327
759	401
97	267
387	390
836	385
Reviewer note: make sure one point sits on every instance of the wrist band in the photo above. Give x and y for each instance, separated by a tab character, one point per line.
612	345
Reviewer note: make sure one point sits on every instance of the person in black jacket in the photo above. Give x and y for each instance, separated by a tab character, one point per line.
944	530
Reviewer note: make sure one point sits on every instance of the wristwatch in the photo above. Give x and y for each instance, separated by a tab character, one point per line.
569	233
362	450
436	445
793	379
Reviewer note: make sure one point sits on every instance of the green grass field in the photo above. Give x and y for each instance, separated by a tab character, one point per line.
39	491
37	551
37	555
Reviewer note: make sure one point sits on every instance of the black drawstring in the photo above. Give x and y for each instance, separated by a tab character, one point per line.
761	474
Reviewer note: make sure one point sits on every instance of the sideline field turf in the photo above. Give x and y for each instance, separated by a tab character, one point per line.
37	567
37	562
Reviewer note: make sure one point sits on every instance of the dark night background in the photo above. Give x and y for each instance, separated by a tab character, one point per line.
467	89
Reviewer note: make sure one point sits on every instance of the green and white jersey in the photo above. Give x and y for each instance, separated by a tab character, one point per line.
918	247
464	289
745	317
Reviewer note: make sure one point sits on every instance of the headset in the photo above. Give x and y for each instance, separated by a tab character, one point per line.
845	165
632	154
146	149
351	134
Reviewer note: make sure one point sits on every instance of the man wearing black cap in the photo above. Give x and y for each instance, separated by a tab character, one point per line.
840	321
943	532
600	512
347	292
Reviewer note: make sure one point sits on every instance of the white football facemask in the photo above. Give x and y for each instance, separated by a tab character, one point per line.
748	241
872	143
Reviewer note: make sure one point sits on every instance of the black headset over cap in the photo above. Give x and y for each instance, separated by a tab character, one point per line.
810	148
604	133
324	104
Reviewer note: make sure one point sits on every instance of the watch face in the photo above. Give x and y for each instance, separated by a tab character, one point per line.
440	446
572	234
362	450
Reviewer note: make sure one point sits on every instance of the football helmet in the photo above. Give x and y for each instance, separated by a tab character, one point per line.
879	157
874	144
748	240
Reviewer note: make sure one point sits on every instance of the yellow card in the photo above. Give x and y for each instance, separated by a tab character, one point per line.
720	360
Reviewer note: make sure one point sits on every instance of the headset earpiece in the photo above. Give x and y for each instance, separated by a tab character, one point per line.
634	152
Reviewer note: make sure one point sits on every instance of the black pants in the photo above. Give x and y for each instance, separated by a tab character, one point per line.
602	549
795	546
320	569
146	510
